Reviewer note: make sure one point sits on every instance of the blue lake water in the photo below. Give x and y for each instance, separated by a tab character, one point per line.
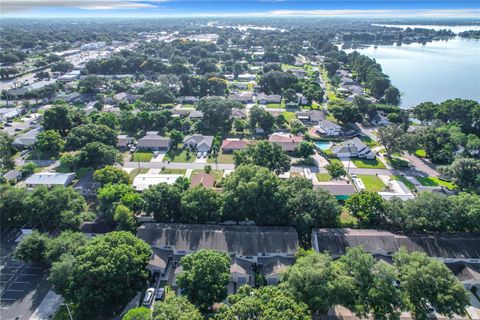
434	72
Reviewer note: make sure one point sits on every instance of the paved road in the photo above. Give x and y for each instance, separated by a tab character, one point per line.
422	166
159	165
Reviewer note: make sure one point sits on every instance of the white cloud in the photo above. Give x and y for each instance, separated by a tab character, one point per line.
16	6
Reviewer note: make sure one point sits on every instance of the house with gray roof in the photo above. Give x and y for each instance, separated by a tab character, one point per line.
49	179
198	142
328	128
153	142
353	148
12	175
263	98
310	116
27	139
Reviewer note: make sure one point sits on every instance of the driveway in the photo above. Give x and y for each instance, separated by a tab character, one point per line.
158	158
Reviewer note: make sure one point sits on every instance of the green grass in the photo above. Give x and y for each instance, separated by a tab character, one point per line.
218	174
420	153
62	313
289	116
323	177
347	220
136	172
142	156
34	155
274	106
173	171
188	105
405	181
222	158
398	162
434	182
369	141
368	164
335	160
371	182
179	156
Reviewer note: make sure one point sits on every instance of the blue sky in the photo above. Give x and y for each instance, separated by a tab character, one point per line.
151	8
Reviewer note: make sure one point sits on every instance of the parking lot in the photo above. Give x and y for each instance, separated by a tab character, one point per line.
22	286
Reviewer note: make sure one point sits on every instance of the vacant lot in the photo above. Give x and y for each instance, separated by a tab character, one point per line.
369	164
372	183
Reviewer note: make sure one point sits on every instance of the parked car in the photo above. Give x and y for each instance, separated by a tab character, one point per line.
160	293
147	299
132	149
199	154
204	154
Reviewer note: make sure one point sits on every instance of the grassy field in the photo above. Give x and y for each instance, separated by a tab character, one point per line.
405	181
289	116
372	183
136	172
222	158
218	174
420	153
433	182
142	156
179	156
369	141
173	171
398	162
368	164
334	160
34	155
274	106
323	177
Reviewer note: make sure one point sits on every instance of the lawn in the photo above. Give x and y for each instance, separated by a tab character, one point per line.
136	172
335	160
179	156
433	182
142	156
323	177
420	153
372	182
369	141
289	116
405	181
274	106
222	158
218	174
34	155
173	171
369	164
398	162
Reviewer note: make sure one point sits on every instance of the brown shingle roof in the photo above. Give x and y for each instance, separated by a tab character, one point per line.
204	179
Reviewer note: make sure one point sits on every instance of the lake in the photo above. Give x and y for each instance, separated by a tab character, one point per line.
434	72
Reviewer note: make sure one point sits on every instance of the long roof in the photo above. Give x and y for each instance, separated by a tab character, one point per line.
49	178
378	242
241	240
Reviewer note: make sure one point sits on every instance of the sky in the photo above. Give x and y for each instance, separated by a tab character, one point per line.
260	8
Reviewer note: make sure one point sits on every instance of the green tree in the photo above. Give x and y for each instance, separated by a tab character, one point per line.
200	205
6	152
335	170
163	201
176	308
158	95
264	154
305	149
96	154
367	207
60	272
125	219
269	303
13	211
111	174
204	277
66	242
108	272
465	173
345	112
176	137
216	114
139	313
427	281
392	95
395	140
32	248
49	141
69	220
112	195
28	169
62	118
80	136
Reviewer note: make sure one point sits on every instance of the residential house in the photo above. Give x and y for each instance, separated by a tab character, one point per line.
287	141
340	189
297	72
381	120
310	116
73	97
244	97
144	181
204	179
239	85
124	141
263	98
49	179
231	145
187	99
247	245
27	139
302	100
246	77
448	247
198	142
125	97
272	267
353	148
20	92
238	113
195	115
229	77
153	142
12	175
328	128
9	113
70	76
97	227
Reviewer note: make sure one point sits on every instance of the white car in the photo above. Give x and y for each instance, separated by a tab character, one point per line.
204	154
199	154
156	153
147	300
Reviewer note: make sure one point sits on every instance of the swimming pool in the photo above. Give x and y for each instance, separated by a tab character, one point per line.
323	145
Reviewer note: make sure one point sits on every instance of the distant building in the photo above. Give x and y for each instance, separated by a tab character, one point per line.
49	179
153	142
195	115
27	139
12	175
144	181
263	98
124	141
9	113
239	113
244	97
288	142
231	145
310	116
125	97
246	77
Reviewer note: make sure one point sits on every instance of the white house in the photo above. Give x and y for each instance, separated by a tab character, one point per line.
198	142
49	179
143	181
328	128
353	148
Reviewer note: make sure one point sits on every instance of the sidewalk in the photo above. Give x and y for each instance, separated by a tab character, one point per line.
48	307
